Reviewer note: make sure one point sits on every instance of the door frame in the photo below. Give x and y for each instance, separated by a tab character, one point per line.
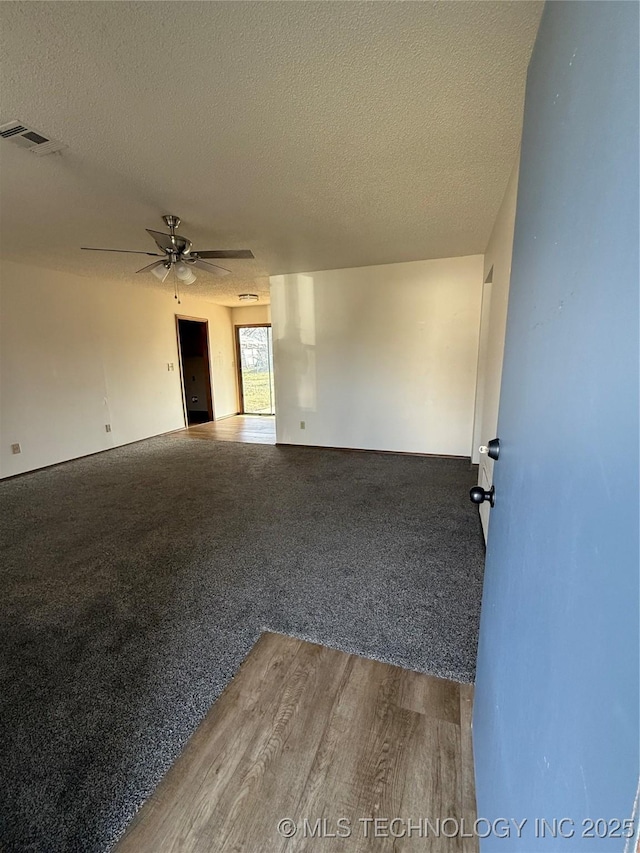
236	335
210	404
485	463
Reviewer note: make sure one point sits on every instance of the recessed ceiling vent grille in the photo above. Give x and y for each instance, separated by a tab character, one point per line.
27	137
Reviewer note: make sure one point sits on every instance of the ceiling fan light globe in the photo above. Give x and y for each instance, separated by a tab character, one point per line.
161	272
184	274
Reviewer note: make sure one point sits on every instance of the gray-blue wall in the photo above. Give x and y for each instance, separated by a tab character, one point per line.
557	694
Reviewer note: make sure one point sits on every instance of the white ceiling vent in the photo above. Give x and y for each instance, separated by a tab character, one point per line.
27	137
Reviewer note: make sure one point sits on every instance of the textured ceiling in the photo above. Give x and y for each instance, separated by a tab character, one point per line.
319	134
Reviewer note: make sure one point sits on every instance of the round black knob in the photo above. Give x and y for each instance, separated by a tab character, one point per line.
493	449
478	495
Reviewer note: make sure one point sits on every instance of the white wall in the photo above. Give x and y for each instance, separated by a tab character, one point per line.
76	354
497	265
248	314
380	357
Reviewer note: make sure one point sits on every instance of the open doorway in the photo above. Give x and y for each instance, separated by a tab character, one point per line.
255	369
193	349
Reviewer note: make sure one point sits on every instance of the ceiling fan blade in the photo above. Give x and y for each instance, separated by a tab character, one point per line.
224	253
151	266
127	251
163	241
212	268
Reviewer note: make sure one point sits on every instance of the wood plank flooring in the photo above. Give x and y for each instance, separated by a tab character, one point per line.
308	733
252	429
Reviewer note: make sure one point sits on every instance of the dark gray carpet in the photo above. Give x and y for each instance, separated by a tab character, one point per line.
136	581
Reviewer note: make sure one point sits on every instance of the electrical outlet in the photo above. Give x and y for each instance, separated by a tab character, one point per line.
303	425
107	427
15	448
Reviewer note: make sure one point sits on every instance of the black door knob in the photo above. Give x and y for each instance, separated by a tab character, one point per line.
478	495
494	449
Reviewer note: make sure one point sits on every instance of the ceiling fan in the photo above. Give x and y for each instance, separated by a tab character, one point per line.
177	253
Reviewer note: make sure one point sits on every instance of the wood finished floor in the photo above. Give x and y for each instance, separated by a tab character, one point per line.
252	429
308	732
